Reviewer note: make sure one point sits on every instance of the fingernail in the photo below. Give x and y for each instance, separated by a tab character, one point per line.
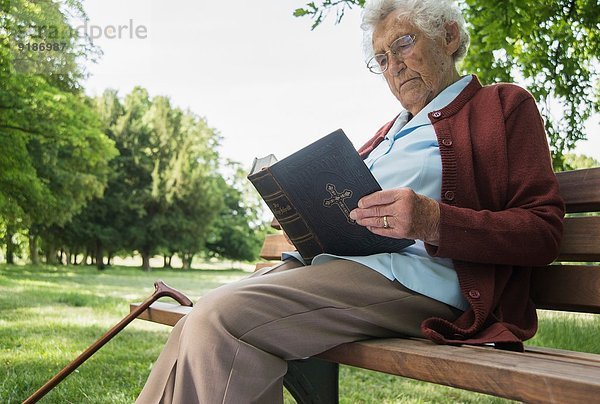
353	215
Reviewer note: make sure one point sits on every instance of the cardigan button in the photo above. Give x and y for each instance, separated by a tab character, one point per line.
449	195
474	293
436	114
447	142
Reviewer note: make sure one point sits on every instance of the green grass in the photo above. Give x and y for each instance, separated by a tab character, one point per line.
49	315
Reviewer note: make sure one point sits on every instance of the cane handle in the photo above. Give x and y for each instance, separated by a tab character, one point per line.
162	289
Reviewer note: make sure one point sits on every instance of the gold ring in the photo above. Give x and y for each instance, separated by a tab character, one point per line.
386	225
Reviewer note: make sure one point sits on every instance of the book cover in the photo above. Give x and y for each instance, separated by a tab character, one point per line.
311	194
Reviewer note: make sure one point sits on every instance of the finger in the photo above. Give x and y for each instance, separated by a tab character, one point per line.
385	197
376	222
377	211
375	199
359	213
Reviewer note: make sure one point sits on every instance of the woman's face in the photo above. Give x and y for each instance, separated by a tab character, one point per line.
428	68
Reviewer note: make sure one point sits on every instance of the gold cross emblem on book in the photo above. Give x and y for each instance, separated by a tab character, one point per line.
338	199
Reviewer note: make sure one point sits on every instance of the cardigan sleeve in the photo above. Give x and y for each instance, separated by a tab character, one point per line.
527	231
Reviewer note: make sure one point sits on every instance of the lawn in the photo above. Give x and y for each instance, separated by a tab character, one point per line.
48	315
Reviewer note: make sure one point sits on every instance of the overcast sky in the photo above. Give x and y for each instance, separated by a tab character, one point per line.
258	75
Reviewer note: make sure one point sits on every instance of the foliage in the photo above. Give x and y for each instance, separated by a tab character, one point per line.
105	176
552	46
319	12
238	231
576	161
55	156
162	193
27	24
176	153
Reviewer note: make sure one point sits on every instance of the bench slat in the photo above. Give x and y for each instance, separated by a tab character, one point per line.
556	353
273	245
581	239
162	313
481	369
567	287
580	189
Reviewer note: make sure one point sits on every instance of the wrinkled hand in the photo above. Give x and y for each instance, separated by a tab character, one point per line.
409	215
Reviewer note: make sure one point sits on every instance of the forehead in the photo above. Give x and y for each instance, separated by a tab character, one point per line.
390	28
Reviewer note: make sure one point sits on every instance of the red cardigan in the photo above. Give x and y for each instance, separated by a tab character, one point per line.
501	212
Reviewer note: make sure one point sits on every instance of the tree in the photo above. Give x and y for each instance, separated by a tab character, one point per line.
58	156
30	26
238	231
175	152
189	182
62	154
579	161
161	195
185	175
552	45
101	227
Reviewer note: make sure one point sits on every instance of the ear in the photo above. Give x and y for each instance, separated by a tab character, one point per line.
452	39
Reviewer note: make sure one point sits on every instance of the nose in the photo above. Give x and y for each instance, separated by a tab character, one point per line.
396	65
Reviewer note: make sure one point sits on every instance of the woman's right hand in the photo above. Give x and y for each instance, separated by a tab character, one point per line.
399	213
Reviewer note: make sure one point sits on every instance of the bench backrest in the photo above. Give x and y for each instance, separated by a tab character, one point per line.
572	283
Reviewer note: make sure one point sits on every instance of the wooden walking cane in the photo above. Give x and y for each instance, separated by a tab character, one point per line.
161	290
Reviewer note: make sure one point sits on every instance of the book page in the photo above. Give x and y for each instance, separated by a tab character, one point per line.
262	163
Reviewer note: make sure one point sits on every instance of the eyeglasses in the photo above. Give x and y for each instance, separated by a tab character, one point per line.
379	63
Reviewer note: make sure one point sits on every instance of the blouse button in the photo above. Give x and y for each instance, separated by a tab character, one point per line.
437	114
449	195
474	293
447	142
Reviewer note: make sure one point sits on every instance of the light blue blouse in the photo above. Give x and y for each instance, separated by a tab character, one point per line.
409	156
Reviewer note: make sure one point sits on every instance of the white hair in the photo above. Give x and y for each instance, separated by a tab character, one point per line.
429	16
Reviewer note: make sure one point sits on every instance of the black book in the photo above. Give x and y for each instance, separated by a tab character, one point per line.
311	194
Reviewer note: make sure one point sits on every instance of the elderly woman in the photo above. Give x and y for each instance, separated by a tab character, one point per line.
466	172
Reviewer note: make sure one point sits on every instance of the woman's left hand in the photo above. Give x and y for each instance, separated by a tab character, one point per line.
399	213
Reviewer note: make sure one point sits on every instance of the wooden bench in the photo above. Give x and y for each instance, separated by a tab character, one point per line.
537	375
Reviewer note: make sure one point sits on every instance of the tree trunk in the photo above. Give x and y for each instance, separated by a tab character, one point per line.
73	257
87	254
145	260
51	255
167	261
99	255
186	259
34	256
10	247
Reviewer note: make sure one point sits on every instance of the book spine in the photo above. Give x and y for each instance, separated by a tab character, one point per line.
286	214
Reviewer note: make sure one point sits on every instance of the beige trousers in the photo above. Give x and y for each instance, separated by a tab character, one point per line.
234	344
